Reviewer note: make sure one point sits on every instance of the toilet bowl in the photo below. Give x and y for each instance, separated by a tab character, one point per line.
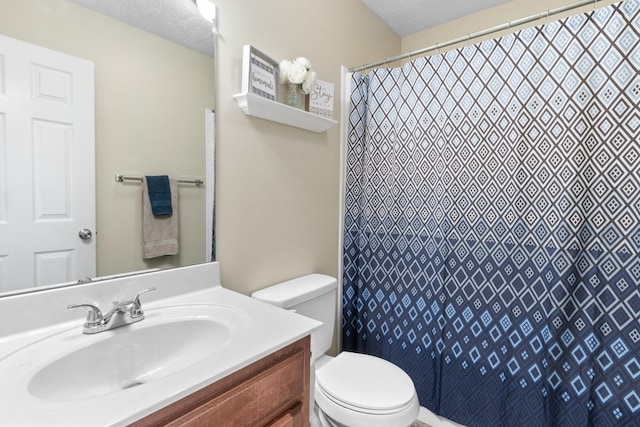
351	389
358	390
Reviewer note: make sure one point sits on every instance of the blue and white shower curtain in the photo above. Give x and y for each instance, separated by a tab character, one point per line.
492	225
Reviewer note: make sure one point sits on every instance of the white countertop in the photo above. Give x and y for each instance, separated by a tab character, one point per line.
266	329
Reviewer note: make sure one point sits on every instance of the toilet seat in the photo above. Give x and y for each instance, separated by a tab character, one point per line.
361	390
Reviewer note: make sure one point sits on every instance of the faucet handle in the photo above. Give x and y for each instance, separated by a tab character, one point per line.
136	300
94	315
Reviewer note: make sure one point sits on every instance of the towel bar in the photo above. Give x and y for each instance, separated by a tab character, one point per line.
122	178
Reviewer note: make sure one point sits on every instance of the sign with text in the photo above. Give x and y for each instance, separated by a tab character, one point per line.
259	73
321	100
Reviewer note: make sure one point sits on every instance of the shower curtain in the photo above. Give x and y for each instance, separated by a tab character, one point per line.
492	224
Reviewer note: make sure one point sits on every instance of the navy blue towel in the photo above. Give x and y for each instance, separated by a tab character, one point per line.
159	195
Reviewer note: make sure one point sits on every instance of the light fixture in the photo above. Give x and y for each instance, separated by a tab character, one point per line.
207	10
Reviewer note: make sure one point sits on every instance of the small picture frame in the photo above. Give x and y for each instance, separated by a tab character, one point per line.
259	73
321	99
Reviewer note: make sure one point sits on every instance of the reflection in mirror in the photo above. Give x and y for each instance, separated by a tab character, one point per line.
152	96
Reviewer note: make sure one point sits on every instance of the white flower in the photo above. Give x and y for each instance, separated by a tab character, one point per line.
298	72
309	84
302	62
285	65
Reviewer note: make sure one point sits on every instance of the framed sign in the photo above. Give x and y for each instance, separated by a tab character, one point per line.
259	73
321	99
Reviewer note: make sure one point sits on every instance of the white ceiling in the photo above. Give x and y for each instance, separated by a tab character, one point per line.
175	20
409	16
180	21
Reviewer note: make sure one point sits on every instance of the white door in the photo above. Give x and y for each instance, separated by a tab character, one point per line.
47	183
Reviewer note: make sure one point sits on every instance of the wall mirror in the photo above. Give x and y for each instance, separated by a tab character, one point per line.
154	74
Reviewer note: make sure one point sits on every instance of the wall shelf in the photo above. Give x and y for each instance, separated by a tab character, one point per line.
257	106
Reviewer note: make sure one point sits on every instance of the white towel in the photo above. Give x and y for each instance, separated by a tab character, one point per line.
159	234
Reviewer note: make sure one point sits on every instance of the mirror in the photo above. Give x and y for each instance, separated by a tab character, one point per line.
151	98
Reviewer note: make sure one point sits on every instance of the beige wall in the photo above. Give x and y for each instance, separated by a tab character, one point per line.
493	17
277	186
150	100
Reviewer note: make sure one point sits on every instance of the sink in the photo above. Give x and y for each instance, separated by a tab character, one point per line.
194	334
128	359
70	365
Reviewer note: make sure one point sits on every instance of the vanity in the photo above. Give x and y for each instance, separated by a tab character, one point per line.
202	355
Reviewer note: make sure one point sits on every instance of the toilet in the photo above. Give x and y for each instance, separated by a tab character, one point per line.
351	389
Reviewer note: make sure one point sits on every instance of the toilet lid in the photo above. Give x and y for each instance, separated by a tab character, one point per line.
365	382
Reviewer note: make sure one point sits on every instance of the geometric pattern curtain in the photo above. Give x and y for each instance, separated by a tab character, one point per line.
492	224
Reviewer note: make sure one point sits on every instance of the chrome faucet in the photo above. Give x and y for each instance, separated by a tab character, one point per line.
122	313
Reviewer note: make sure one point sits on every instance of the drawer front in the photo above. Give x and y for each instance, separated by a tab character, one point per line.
291	418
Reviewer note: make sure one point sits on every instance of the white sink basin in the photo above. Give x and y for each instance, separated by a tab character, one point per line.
71	366
195	333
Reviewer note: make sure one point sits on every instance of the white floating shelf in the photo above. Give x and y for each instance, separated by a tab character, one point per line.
257	106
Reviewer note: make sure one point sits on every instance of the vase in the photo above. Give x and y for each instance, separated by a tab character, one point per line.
294	97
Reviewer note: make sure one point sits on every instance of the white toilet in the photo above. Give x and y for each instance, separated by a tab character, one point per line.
351	390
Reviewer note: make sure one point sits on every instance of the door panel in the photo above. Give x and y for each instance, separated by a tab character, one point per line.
52	146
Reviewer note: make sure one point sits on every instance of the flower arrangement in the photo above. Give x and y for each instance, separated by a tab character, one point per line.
298	72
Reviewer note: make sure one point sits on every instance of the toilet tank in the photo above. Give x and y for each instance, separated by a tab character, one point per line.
312	296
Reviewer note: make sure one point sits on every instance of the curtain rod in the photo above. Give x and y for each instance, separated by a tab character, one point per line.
471	36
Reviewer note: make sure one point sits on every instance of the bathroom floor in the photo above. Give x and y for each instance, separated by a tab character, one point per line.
419	424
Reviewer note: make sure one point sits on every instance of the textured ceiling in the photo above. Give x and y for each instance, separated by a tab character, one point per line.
180	21
409	16
175	20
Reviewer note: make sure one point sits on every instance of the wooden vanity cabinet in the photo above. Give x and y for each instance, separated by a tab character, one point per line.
273	391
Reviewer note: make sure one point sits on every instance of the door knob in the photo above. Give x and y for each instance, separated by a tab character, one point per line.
85	234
